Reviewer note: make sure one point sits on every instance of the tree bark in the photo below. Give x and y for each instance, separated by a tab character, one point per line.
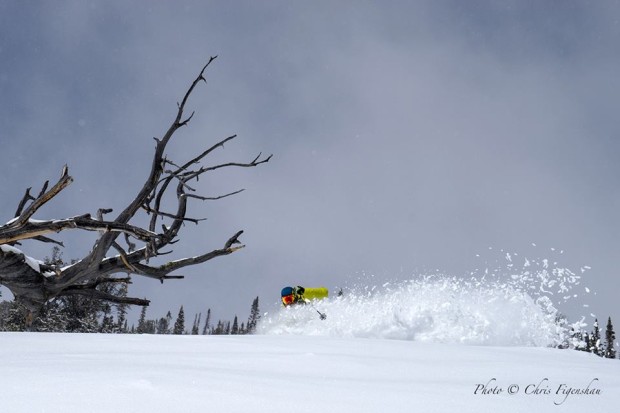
34	283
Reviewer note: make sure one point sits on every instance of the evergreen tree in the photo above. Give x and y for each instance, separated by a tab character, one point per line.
227	328
235	327
150	327
576	337
254	317
56	258
219	329
163	326
595	340
610	337
179	324
588	342
142	321
51	318
207	321
14	317
82	314
121	311
196	325
107	321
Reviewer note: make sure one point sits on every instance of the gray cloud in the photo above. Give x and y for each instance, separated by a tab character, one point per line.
406	136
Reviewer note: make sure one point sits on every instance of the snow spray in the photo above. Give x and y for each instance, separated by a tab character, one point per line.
510	309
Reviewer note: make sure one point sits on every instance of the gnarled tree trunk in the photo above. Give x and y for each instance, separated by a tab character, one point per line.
34	283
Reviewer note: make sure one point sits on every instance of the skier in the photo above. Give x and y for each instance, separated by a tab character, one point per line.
301	295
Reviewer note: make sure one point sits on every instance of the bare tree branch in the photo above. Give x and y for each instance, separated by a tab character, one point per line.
215	198
31	230
43	198
100	295
36	283
168	215
27	197
255	162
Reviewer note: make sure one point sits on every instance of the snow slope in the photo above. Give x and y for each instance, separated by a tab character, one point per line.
433	344
141	373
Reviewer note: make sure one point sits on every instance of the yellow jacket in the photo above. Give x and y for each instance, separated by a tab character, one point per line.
314	294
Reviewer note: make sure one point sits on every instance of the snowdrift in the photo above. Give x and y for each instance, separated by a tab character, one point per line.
103	373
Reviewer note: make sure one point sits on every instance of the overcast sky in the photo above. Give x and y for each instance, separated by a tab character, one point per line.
407	136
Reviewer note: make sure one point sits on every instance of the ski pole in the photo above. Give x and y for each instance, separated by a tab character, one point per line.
322	316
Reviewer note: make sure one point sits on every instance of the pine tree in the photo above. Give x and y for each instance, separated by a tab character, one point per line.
219	329
595	340
107	321
179	325
578	340
51	318
227	328
142	321
588	342
196	326
254	317
169	322
163	326
56	258
15	318
235	327
82	314
610	337
150	327
121	311
207	321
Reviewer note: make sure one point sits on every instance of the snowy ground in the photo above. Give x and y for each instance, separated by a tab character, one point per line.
433	344
141	373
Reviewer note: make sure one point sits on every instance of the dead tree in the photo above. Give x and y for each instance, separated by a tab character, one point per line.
121	247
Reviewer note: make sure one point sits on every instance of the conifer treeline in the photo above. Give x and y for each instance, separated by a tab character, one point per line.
82	315
592	342
164	325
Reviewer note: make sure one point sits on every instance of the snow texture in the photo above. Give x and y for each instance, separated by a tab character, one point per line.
97	373
502	311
